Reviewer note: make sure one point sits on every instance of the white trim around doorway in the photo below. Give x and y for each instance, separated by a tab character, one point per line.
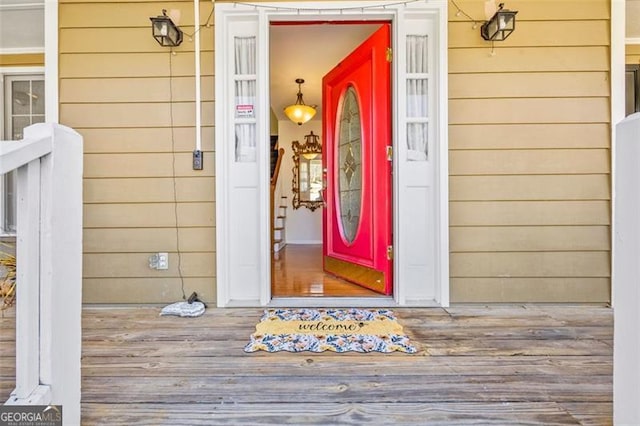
421	242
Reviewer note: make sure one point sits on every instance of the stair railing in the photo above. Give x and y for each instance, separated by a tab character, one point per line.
274	181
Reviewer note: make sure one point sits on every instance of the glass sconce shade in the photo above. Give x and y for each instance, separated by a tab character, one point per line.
165	31
500	26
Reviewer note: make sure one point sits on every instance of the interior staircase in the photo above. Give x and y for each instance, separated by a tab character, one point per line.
279	240
278	213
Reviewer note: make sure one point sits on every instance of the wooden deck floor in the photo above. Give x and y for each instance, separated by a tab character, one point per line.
503	365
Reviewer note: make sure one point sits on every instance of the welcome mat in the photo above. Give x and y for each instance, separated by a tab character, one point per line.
337	330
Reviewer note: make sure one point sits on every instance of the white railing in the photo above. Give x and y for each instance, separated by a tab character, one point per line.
626	273
49	266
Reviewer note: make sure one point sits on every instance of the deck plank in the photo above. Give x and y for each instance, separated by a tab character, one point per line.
331	414
308	364
522	364
592	413
467	347
323	388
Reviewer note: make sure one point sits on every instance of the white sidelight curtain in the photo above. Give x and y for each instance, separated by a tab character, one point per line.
245	143
417	134
245	94
245	55
417	97
417	54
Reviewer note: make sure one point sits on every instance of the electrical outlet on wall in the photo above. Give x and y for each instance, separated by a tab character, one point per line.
159	261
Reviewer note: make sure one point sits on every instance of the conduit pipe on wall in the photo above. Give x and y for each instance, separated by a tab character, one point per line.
196	19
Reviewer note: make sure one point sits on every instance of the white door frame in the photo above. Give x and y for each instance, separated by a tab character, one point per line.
420	206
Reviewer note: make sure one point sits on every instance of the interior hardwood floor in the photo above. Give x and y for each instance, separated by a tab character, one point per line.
489	365
297	272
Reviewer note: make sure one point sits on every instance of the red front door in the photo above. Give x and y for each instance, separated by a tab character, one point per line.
357	222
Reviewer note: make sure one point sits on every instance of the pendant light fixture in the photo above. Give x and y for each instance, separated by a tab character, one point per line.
299	112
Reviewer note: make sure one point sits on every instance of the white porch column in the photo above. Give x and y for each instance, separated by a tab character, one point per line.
626	274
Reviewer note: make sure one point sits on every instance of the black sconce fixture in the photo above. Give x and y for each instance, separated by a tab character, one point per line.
500	26
165	31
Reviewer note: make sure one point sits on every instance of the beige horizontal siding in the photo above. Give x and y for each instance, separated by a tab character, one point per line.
122	115
145	165
531	264
528	136
125	265
539	10
128	65
543	289
528	59
537	34
529	160
529	187
528	110
151	139
148	215
528	238
135	89
147	290
22	60
527	213
102	14
134	103
148	190
148	240
529	85
632	54
125	40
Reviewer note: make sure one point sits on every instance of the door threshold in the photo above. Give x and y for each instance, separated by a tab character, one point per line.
333	302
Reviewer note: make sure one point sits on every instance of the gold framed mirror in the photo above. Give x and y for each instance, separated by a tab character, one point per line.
307	173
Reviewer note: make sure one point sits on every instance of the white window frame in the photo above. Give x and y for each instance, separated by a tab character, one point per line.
12	73
242	189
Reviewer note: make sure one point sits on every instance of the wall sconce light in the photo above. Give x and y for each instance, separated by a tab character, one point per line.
165	31
500	26
299	112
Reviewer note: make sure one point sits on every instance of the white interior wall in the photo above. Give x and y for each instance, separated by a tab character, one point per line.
302	225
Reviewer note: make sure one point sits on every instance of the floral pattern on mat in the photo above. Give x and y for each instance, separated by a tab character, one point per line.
336	314
329	342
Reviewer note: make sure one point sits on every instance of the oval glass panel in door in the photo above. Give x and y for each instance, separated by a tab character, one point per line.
349	164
